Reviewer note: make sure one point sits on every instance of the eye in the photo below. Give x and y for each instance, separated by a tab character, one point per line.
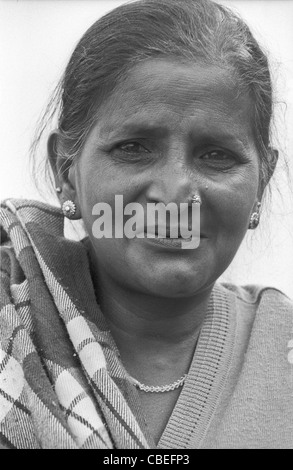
219	159
217	155
132	147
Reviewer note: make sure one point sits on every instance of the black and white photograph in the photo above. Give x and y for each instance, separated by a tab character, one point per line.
146	217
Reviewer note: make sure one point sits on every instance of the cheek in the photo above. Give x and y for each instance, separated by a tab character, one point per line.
99	183
94	183
89	190
232	202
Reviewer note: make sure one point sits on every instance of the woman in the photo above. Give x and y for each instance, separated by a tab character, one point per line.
129	342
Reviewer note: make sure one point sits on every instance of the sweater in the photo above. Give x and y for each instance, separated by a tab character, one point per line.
62	382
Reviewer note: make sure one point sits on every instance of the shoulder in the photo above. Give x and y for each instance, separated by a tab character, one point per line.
259	295
267	308
30	207
22	215
19	219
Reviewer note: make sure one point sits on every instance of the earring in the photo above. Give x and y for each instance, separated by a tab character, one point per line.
69	209
58	189
254	219
195	199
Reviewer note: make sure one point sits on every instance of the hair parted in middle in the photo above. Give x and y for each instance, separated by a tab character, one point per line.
193	31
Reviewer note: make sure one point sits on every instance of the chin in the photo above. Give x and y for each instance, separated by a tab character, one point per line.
176	285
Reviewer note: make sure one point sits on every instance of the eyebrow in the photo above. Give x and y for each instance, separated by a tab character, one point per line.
147	128
134	128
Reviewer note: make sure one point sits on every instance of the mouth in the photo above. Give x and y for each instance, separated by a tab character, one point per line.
155	232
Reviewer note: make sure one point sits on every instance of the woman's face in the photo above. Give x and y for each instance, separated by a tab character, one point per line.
169	131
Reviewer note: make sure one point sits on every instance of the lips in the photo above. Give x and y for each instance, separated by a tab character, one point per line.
155	231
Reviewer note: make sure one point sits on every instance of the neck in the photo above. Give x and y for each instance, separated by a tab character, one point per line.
144	325
149	317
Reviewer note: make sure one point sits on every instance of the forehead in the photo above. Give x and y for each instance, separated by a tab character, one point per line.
175	94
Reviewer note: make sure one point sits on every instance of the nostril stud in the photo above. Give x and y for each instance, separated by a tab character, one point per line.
196	199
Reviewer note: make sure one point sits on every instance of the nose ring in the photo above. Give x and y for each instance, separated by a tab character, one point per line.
196	199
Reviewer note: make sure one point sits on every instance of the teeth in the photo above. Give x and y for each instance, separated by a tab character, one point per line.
168	236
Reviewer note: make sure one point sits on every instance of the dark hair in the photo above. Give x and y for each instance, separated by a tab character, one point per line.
193	30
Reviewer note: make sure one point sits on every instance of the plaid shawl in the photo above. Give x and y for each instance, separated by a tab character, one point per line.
62	384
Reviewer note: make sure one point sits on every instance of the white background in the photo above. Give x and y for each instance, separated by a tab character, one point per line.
36	39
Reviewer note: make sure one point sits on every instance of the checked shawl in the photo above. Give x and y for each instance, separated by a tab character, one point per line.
62	384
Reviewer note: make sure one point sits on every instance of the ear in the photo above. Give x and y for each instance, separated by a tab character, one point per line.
268	170
64	171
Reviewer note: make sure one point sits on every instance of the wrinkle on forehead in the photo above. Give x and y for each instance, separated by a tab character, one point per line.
206	94
205	81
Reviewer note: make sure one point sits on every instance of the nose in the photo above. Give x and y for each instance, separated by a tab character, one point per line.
172	182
